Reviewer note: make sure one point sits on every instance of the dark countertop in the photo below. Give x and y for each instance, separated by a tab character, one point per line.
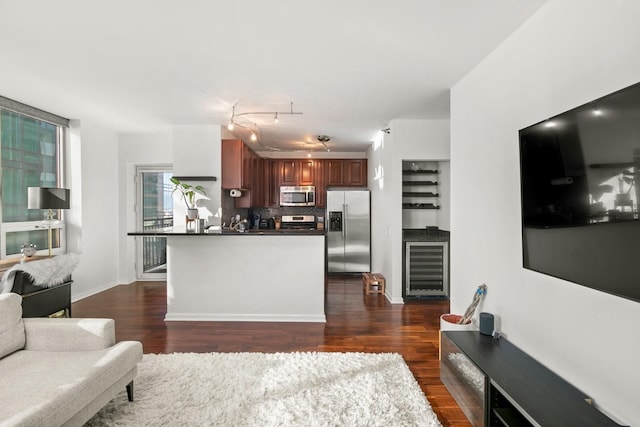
429	234
265	232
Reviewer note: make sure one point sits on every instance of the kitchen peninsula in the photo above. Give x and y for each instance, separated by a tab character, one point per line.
266	275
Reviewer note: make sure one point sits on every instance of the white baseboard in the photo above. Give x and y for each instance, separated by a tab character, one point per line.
82	295
223	317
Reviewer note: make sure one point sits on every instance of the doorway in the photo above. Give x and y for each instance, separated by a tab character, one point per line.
154	211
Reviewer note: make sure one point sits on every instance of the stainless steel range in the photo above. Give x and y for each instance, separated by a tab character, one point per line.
298	222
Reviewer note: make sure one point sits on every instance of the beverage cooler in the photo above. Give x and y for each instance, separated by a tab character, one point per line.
426	269
348	231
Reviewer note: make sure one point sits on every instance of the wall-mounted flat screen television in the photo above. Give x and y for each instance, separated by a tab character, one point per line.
579	175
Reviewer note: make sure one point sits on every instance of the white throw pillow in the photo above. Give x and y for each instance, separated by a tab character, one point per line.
11	325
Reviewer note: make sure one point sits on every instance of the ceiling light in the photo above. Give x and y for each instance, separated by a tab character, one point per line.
230	125
323	139
309	155
254	137
275	119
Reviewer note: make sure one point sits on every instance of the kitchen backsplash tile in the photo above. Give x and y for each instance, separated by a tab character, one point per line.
229	211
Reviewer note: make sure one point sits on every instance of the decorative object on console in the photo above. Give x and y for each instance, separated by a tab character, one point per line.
486	324
28	250
455	322
51	199
480	292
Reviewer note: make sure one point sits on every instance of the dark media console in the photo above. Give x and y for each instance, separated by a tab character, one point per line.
497	384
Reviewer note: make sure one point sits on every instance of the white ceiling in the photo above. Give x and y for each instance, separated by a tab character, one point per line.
350	66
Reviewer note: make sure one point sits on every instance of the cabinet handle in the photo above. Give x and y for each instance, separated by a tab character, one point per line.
344	220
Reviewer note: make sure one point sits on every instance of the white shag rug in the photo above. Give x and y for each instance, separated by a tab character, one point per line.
278	389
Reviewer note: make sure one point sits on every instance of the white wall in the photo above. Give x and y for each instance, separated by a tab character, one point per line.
408	139
379	165
197	151
570	52
92	177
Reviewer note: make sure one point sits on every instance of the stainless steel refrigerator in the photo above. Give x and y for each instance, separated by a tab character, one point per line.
348	231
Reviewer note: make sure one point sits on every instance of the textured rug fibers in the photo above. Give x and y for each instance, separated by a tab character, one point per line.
278	389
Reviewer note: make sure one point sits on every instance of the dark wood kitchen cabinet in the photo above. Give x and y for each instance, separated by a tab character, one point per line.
346	172
289	175
334	172
238	163
355	172
274	182
297	172
270	184
321	185
257	183
307	172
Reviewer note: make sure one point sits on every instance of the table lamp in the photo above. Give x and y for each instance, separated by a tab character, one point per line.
49	198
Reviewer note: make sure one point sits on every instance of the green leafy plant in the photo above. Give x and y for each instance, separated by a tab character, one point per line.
187	192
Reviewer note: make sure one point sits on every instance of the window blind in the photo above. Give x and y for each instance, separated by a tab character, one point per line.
18	107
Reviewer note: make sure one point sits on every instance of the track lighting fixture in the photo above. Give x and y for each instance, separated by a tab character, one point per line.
386	130
273	113
251	127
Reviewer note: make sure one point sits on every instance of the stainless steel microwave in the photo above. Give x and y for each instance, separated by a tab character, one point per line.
298	196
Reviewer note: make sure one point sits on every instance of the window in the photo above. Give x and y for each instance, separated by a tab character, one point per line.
31	143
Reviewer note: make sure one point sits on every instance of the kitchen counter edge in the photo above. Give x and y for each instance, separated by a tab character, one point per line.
230	233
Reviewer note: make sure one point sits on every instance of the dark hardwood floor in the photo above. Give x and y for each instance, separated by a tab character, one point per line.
355	323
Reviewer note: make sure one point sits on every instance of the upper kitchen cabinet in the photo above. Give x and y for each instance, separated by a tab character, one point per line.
257	192
288	172
270	183
334	174
346	172
238	165
307	173
275	174
355	172
297	172
320	183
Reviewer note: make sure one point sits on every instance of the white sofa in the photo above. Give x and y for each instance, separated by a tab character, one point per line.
59	372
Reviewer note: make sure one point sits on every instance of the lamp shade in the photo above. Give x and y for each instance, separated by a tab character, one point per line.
48	198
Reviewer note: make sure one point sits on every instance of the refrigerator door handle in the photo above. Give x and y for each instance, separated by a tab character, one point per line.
345	232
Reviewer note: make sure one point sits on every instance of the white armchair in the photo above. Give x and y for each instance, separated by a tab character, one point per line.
60	371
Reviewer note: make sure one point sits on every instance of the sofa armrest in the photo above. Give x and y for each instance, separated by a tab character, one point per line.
69	334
